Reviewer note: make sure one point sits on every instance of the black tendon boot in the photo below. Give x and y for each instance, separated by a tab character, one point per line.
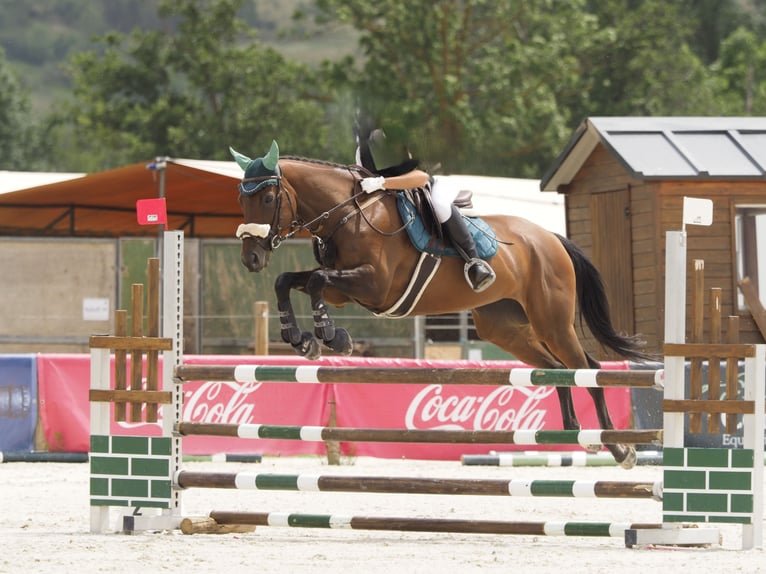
478	273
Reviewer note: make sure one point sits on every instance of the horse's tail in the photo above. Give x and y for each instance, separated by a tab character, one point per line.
594	306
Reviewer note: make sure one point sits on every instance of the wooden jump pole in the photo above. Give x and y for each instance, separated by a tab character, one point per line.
318	434
518	377
574	458
406	524
408	485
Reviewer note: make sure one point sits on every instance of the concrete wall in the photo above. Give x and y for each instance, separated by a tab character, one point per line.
44	287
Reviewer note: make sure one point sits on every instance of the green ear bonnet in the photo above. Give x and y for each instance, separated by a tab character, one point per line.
258	171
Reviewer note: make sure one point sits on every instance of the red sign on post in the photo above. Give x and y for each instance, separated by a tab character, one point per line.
151	211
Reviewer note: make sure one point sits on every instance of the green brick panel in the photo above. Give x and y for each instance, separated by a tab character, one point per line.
708	457
130	488
685	479
730	480
742	503
99	487
703	502
99	444
672	502
109	465
673	457
161	489
150	467
130	445
161	446
742	458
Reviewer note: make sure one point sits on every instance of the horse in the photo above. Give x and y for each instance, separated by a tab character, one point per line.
365	257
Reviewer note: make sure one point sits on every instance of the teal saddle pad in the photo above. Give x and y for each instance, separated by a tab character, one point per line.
483	234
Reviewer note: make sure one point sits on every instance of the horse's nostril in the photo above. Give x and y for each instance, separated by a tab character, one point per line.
251	260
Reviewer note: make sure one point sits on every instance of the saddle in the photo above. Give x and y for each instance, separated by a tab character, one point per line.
412	206
417	185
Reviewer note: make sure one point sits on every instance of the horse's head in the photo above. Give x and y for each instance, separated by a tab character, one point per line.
260	200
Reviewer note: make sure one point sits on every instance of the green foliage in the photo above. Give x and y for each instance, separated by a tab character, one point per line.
193	92
631	68
743	74
15	133
476	86
497	87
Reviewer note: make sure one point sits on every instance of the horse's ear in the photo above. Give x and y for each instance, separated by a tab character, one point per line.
271	159
243	161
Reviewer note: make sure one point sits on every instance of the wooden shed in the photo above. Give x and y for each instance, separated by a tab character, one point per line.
624	180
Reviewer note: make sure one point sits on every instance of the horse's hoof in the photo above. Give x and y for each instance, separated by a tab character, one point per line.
308	347
630	459
341	342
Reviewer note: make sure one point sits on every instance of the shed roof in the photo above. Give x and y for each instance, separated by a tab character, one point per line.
201	199
667	148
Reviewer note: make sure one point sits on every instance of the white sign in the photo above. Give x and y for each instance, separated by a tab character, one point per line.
698	211
95	309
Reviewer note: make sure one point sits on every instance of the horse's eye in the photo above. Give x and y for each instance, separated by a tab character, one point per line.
268	198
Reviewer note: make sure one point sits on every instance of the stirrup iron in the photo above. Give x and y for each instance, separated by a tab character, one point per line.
486	267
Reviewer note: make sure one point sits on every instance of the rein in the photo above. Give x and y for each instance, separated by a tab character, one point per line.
296	226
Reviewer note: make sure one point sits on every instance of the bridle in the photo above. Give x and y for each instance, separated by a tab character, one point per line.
273	233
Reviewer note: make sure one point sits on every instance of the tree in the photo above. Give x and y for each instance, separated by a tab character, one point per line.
193	90
16	131
497	87
742	74
632	68
473	83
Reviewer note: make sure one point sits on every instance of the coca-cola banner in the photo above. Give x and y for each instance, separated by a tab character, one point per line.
64	382
18	403
469	407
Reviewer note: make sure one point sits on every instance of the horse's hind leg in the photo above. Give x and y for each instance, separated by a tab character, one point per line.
565	345
506	325
625	455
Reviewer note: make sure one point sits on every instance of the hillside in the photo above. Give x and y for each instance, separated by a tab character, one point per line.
38	37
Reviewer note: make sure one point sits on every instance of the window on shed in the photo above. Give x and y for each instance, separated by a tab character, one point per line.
750	229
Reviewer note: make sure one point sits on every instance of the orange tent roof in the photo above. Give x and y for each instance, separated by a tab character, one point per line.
201	200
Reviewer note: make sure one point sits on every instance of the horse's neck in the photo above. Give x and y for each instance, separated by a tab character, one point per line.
318	187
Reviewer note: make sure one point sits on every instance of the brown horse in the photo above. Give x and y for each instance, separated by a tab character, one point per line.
366	257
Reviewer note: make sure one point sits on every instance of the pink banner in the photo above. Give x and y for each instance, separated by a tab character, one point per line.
64	382
436	407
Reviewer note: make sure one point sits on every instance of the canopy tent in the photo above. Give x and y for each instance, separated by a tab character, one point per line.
201	200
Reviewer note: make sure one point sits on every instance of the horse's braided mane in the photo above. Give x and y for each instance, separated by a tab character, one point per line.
319	162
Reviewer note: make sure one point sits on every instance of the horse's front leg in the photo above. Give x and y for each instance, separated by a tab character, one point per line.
336	338
303	342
